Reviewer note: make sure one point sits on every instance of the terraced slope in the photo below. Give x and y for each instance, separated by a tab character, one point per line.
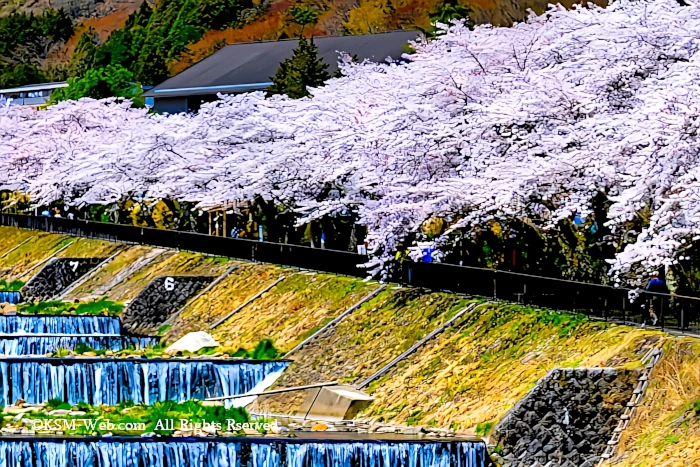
9	238
127	262
19	264
89	248
292	310
232	292
170	263
366	340
473	374
466	378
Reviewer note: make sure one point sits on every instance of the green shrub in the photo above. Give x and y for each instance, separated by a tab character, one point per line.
264	350
61	352
696	407
482	429
13	286
54	404
83	348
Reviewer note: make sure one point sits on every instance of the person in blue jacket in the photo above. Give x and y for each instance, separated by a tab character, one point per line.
655	286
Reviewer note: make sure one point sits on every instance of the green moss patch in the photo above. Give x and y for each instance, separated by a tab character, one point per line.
126	419
101	307
12	286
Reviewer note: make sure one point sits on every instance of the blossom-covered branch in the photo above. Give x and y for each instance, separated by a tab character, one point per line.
531	122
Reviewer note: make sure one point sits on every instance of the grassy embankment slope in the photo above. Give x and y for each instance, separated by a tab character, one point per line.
470	375
666	429
467	378
17	263
170	263
21	263
291	311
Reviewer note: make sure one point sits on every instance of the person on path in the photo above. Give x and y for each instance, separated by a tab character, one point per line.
403	273
655	286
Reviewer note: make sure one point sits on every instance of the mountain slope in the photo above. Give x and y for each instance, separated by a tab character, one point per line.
157	39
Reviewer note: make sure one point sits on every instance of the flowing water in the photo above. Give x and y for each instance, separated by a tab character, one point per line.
12	298
60	324
252	453
110	381
32	345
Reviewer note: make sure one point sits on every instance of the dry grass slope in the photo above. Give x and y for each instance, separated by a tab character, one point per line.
108	276
292	310
665	431
170	263
366	340
231	293
87	248
477	370
21	261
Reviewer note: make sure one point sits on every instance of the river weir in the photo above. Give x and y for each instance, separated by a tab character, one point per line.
109	381
40	345
54	363
60	324
242	452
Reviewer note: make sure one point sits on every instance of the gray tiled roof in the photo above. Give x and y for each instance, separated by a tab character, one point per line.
250	66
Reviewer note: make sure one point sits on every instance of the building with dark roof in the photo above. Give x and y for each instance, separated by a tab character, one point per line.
249	67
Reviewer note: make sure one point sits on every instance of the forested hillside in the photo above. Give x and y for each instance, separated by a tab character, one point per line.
111	43
26	41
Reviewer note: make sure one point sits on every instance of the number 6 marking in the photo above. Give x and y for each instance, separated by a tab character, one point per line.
169	284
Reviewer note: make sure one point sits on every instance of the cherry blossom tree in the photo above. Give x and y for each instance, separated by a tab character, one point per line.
531	122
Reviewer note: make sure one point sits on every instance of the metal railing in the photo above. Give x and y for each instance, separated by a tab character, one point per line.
616	304
333	261
595	300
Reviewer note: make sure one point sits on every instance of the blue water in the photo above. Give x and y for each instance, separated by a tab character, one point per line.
16	346
279	453
10	297
60	324
112	381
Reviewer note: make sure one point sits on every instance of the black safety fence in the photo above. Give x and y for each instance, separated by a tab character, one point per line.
333	261
595	300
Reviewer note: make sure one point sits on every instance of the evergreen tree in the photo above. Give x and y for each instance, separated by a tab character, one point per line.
84	55
305	68
123	46
20	75
303	15
453	9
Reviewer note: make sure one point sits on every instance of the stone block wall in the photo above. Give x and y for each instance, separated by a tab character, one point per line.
57	275
567	419
161	298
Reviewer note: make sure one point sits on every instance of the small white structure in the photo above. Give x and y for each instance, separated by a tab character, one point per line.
192	342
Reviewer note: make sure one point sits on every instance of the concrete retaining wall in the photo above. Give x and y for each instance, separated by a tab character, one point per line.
567	419
57	275
161	298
